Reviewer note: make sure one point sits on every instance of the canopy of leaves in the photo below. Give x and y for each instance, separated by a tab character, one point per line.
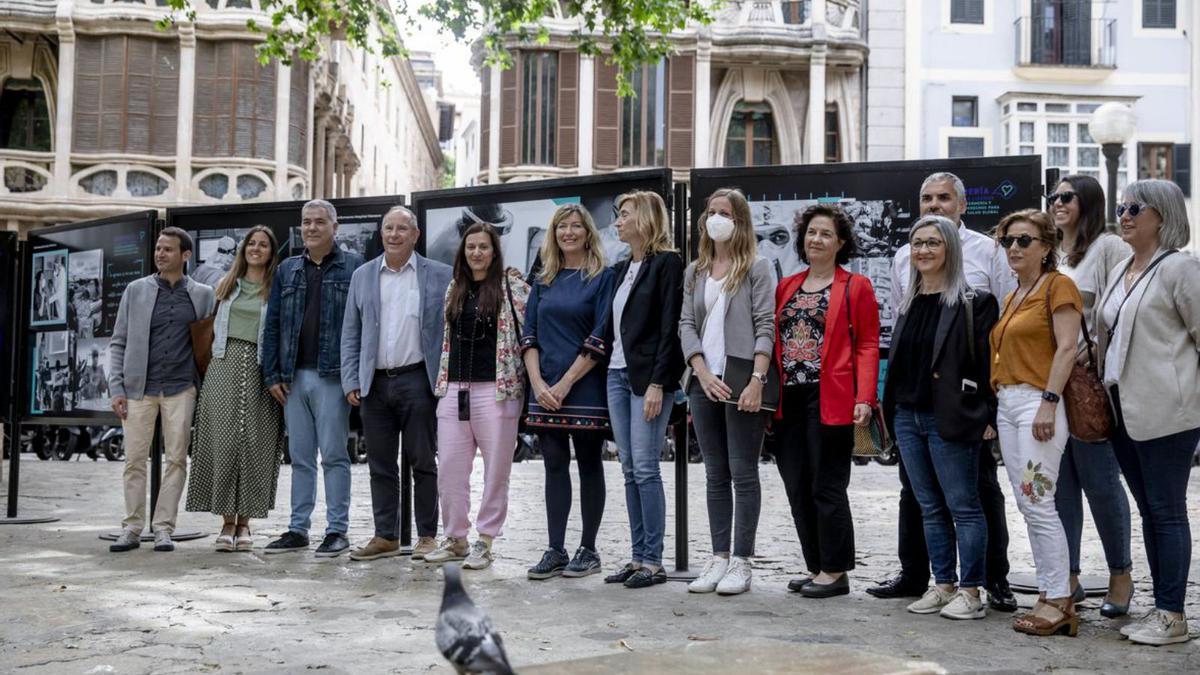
632	32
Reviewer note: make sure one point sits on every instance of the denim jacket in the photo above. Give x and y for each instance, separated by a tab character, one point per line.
285	315
221	324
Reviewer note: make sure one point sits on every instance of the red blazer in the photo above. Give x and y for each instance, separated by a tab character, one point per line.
837	373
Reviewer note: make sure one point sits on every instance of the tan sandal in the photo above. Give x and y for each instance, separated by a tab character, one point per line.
1032	624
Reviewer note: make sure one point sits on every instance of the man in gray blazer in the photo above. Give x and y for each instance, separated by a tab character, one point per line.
391	350
153	318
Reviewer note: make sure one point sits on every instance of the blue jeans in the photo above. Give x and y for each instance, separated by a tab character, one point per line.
639	445
318	416
1091	469
1157	473
945	479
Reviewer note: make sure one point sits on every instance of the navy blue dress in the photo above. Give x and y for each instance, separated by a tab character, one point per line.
564	320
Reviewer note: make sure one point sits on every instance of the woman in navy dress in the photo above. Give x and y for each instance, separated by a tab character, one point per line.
565	356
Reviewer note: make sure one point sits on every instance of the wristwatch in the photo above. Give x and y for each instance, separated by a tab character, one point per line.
1050	396
761	377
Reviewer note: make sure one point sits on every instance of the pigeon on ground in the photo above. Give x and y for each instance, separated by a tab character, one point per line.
464	634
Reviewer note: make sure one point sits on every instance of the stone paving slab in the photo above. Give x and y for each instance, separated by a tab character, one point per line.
69	606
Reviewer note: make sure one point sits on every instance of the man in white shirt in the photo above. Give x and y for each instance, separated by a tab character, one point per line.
986	269
391	349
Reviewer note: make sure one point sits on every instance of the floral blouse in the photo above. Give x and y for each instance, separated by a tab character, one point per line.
802	324
510	368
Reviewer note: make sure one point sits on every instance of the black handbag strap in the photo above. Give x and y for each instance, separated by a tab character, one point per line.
512	307
968	300
853	340
1145	273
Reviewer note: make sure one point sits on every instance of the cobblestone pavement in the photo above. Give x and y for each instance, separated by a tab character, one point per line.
69	606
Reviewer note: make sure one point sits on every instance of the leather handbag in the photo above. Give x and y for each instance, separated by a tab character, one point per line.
873	439
202	341
1089	417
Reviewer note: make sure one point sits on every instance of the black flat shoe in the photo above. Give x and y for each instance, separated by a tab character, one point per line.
644	578
799	582
816	590
622	575
1000	597
899	587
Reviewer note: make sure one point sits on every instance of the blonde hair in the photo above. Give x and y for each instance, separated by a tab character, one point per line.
743	247
238	270
552	262
650	220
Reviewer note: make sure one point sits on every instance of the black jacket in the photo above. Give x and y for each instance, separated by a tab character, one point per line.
650	323
961	416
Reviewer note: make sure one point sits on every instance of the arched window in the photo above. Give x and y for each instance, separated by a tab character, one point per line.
751	138
24	116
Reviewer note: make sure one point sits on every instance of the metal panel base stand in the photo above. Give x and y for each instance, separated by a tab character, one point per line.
681	571
30	520
179	535
1026	582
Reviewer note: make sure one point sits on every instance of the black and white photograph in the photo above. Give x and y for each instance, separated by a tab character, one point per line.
214	254
90	373
357	237
85	292
51	391
48	283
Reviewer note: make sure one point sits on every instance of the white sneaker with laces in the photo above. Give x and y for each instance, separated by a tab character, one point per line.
707	582
1136	625
932	602
964	606
162	541
480	556
1163	629
736	579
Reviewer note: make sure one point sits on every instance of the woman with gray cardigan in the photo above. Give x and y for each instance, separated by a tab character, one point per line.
1148	323
728	313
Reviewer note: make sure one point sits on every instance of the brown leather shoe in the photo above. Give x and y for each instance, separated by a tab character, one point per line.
425	546
378	547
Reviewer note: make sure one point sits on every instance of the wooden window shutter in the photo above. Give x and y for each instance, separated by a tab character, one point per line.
85	136
140	82
164	106
112	95
568	108
607	150
681	73
508	112
485	119
1181	167
298	113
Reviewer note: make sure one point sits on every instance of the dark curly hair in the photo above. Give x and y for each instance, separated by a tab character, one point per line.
841	224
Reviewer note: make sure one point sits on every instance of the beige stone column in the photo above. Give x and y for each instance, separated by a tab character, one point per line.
585	115
815	129
316	179
283	104
186	110
65	109
702	103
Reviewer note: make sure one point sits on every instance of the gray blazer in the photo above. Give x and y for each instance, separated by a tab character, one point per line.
749	314
1159	348
128	350
360	323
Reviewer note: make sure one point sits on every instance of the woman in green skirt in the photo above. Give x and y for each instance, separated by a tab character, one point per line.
237	441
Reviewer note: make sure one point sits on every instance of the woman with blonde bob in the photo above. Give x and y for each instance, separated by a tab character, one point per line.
643	373
728	313
237	441
562	344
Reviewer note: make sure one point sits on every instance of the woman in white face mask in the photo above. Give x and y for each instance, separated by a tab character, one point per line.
727	331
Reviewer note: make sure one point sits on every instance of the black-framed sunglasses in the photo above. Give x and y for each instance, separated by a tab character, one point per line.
1023	241
1066	196
1132	209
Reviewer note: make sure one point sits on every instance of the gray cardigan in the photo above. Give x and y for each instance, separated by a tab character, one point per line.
1159	349
749	314
128	350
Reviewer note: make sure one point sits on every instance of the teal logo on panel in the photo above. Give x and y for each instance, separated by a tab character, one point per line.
1005	190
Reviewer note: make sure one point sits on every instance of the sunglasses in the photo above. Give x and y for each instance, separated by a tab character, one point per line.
1023	241
1132	209
1066	196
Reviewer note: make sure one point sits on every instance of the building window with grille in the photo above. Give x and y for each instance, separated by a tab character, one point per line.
1058	131
1158	13
966	11
833	136
751	138
643	118
539	113
126	95
235	102
24	116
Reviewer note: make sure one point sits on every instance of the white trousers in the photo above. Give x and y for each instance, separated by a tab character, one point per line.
1032	467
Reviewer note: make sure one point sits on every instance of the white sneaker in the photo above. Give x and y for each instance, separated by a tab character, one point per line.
707	582
480	556
162	541
932	602
1163	629
736	579
1137	624
964	606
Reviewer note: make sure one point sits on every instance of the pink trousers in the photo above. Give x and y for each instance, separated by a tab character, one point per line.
493	430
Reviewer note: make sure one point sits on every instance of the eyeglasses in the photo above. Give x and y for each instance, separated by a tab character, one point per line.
927	244
1066	196
1023	241
1132	209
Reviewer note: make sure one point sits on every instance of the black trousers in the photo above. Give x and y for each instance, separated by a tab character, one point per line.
914	556
814	463
555	445
402	411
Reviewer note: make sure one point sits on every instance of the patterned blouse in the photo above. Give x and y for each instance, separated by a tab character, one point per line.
510	369
803	326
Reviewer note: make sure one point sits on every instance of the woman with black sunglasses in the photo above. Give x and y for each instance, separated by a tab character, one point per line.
1086	253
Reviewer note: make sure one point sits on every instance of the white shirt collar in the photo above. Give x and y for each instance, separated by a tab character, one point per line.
412	263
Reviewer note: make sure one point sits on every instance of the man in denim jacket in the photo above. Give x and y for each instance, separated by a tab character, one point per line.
301	362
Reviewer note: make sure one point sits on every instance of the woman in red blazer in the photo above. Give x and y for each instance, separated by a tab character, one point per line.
827	350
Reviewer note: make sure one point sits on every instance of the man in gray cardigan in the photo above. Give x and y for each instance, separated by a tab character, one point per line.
154	318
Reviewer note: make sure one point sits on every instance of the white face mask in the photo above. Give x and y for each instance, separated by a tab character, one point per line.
719	227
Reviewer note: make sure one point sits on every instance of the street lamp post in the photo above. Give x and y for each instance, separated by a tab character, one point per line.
1112	125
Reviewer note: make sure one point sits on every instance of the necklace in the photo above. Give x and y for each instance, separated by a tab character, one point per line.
1017	308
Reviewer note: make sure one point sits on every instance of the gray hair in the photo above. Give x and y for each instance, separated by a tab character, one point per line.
412	217
322	204
954	280
1165	197
940	176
